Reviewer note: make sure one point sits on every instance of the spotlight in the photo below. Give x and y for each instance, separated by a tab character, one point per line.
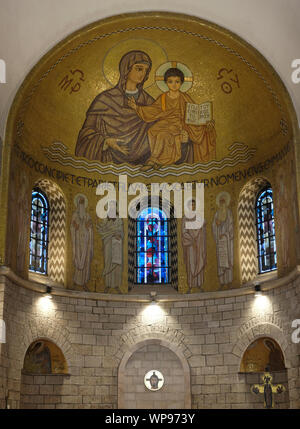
152	313
45	302
153	297
48	292
257	288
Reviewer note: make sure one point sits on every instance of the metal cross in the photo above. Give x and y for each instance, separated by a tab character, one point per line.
267	388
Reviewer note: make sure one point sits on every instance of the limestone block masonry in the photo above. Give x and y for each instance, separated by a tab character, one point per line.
107	343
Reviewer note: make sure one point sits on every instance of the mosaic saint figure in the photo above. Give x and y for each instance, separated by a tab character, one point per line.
268	394
112	131
223	233
194	251
82	241
276	360
154	381
38	359
112	233
170	130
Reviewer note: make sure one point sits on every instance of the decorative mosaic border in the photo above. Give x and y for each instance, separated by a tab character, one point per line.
247	228
57	240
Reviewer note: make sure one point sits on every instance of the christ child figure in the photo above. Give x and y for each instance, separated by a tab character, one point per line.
170	130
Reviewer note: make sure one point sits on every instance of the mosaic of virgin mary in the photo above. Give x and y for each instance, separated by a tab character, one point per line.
115	132
112	131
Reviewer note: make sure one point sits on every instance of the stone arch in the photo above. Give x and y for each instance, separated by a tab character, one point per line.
157	331
39	390
285	377
157	339
247	229
47	330
57	233
49	349
258	331
34	329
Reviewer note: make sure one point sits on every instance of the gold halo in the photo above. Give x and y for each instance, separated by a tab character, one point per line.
110	64
84	197
160	72
226	196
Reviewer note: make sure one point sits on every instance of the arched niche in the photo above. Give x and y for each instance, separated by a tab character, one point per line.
44	371
154	354
264	356
44	357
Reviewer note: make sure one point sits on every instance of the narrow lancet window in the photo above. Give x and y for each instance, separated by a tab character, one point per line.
152	247
39	232
265	227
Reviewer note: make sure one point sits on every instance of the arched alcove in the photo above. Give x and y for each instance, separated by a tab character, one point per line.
160	355
42	376
249	334
263	354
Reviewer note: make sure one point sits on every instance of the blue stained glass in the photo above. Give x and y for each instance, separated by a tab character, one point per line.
39	226
152	240
267	258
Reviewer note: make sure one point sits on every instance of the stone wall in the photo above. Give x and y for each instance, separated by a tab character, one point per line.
46	391
294	376
94	335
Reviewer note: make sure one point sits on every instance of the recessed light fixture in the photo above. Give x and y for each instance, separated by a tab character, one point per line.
257	288
153	297
48	292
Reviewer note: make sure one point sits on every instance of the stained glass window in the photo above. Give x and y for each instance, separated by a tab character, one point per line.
265	226
152	247
39	232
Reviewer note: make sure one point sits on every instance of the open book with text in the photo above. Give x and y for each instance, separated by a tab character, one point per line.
198	114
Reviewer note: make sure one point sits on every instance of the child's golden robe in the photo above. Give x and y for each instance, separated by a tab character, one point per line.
165	135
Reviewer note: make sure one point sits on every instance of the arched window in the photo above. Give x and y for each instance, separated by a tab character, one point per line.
152	243
39	232
265	228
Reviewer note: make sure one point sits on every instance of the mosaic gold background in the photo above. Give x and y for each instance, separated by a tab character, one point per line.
252	114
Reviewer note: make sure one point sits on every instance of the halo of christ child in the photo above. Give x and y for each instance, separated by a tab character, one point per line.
177	120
